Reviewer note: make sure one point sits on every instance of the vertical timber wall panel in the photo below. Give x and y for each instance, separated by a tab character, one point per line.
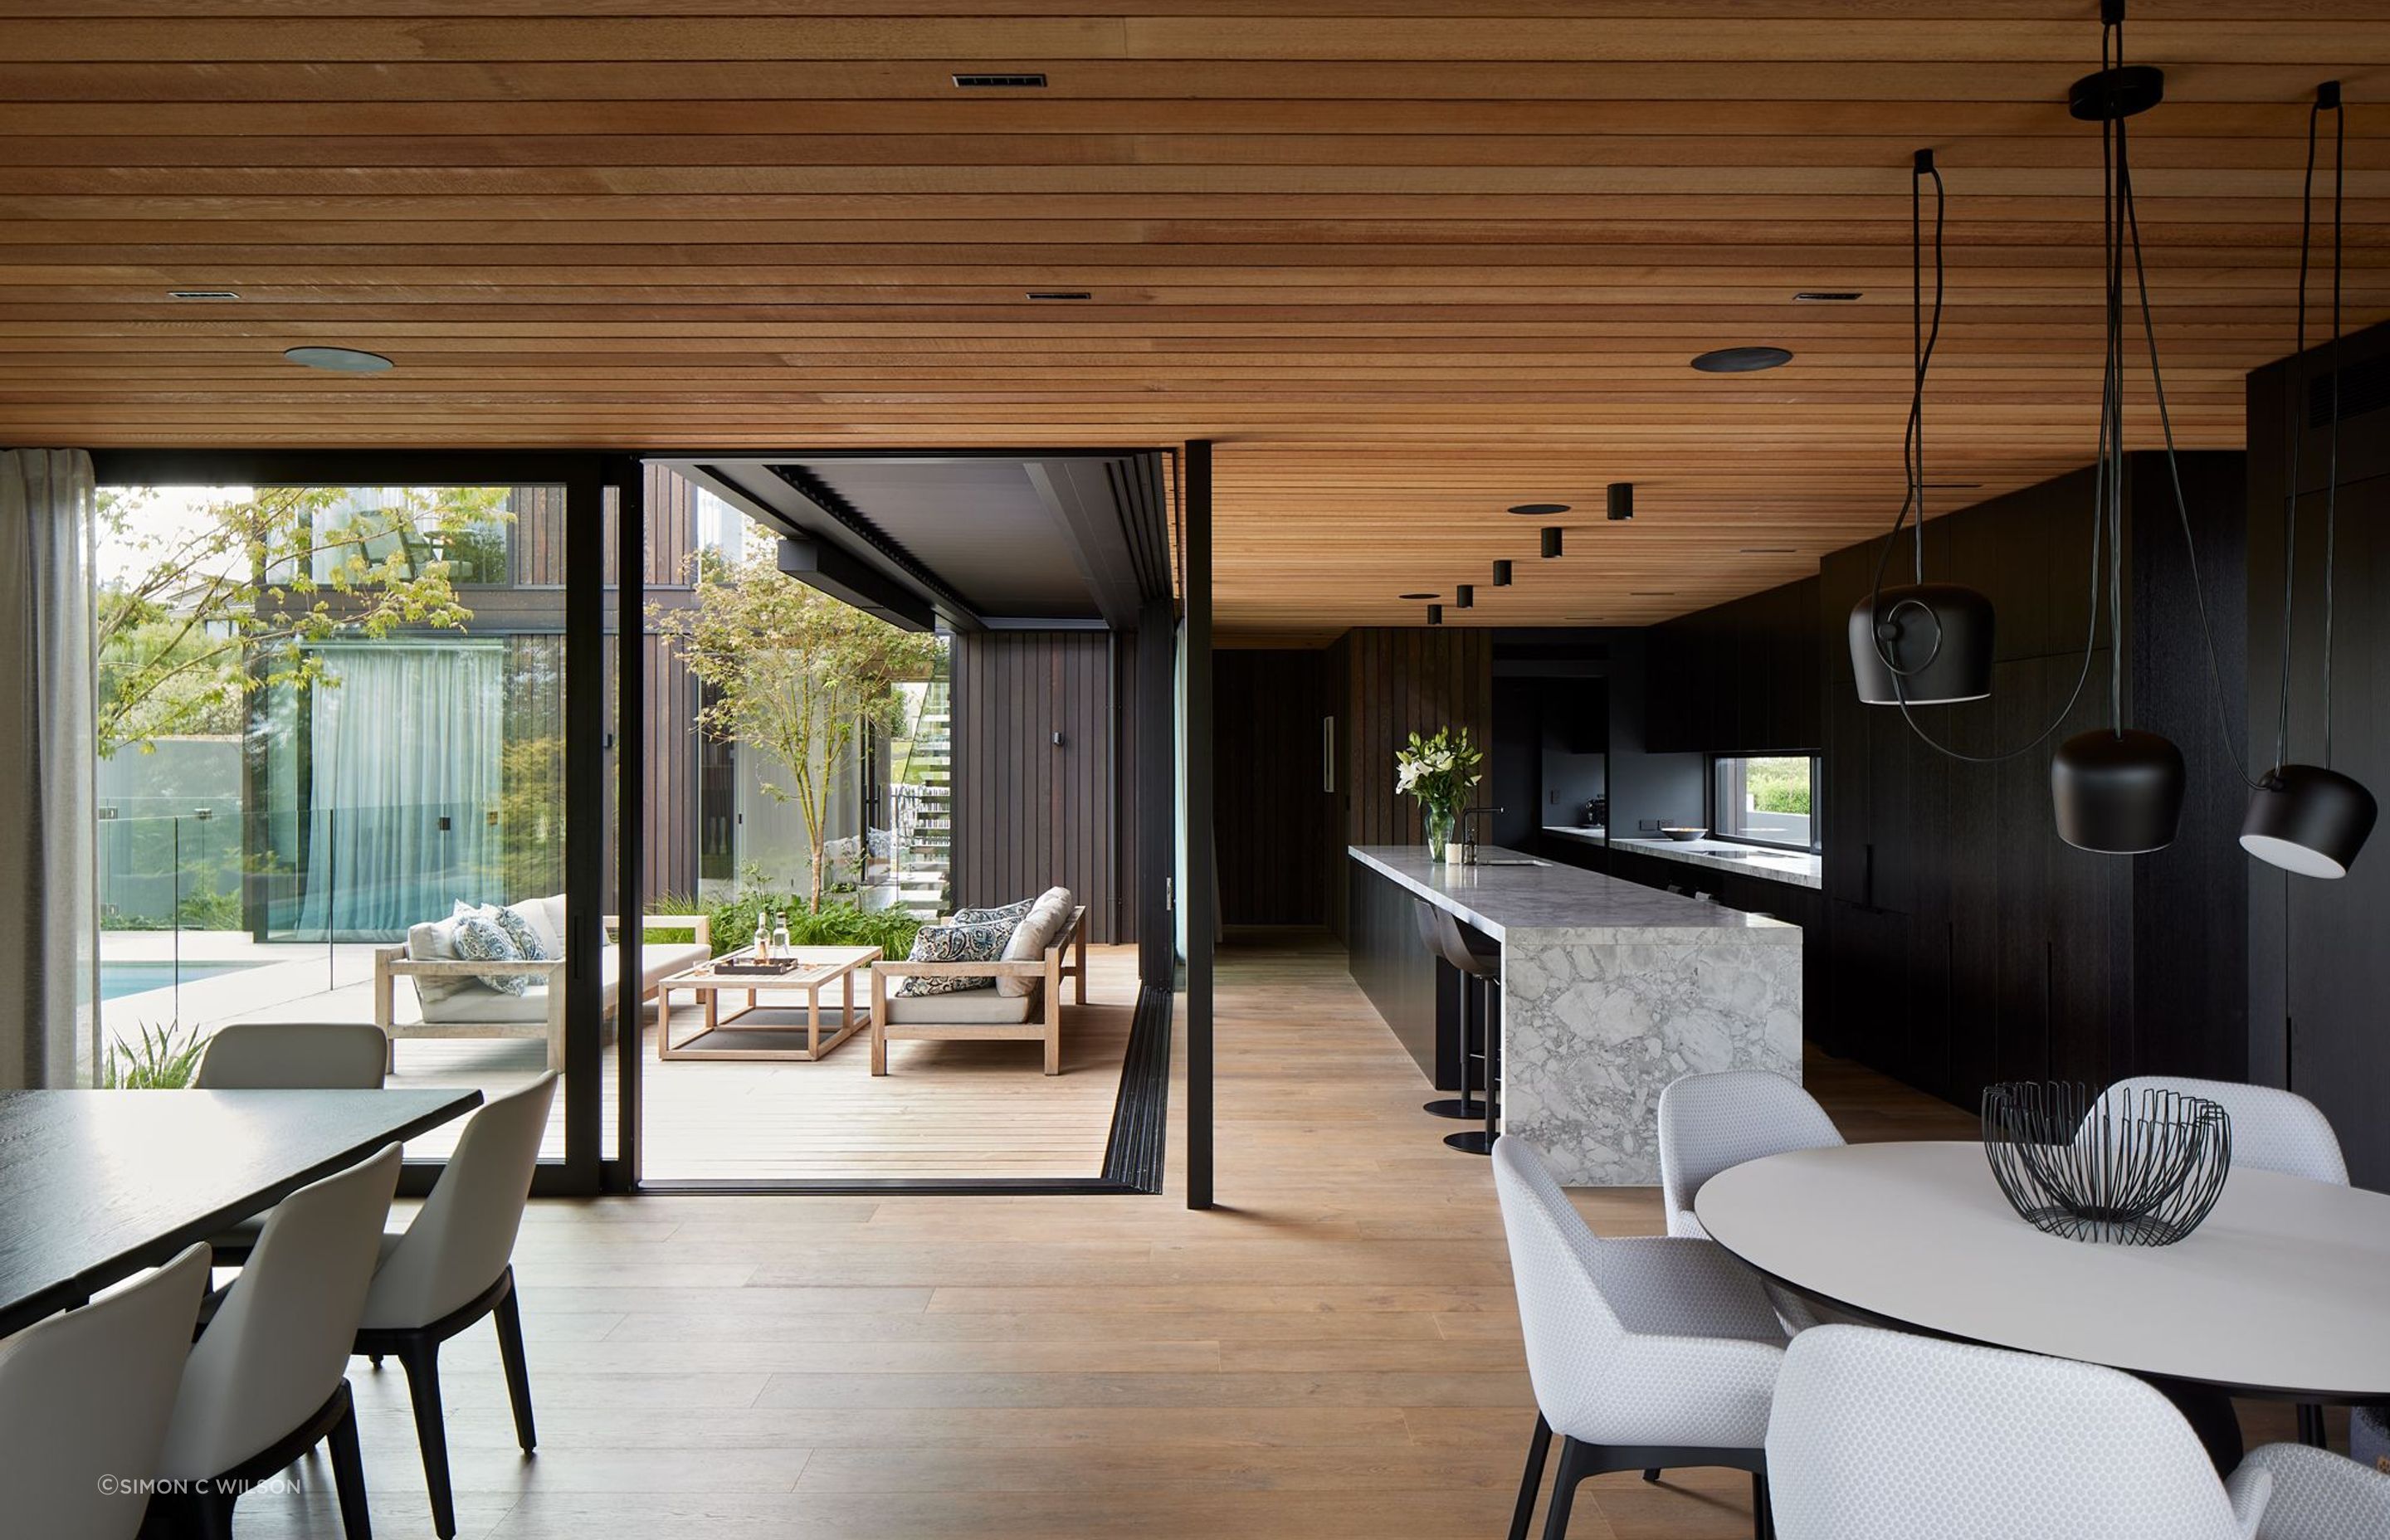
1031	813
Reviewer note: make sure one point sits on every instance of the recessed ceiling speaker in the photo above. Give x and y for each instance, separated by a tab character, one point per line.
1551	541
1742	360
2117	791
1925	644
2308	820
340	360
1502	574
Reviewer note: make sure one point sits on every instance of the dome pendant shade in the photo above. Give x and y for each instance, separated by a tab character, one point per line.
1939	635
2117	794
2308	820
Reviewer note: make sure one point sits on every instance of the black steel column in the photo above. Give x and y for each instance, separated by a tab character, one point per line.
584	821
629	477
1200	872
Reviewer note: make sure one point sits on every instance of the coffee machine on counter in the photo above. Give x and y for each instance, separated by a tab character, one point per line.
1597	812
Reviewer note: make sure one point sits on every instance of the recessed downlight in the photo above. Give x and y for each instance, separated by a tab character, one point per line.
1742	360
340	360
1419	595
202	294
1538	511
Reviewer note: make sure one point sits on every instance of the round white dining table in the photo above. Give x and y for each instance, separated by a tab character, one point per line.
2284	1291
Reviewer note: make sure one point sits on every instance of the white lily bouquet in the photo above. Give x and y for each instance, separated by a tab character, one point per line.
1438	771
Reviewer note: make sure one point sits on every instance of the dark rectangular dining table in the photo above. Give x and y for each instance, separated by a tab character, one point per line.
95	1185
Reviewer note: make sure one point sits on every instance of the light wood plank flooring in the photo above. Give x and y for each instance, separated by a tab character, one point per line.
1333	1352
945	1110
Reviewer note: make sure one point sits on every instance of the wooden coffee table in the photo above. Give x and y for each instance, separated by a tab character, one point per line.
759	1031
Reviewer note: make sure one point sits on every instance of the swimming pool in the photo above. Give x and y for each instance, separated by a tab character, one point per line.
131	978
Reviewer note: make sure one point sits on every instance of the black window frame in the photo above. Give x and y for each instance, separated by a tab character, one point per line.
1816	845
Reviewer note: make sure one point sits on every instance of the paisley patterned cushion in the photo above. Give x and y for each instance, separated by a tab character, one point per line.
527	942
480	939
1006	915
955	944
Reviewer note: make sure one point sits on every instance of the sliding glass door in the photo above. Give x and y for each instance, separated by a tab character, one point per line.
336	750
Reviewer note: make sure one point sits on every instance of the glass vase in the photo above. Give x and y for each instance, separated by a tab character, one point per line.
1439	832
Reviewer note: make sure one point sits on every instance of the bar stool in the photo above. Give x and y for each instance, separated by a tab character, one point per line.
1479	958
1464	1106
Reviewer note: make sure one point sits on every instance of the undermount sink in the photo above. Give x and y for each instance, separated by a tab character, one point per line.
1507	861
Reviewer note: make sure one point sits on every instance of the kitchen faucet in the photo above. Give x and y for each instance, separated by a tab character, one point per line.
1469	833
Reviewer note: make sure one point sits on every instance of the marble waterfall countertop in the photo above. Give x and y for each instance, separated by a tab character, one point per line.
1610	990
1547	895
1797	868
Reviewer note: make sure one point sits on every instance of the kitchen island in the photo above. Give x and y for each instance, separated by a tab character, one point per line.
1610	990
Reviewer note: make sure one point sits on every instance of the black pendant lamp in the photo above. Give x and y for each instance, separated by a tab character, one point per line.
2310	819
2117	790
1551	541
1920	642
1502	574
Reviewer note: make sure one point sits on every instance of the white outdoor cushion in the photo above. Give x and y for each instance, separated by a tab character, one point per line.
965	1007
1033	936
545	917
474	1004
435	941
658	960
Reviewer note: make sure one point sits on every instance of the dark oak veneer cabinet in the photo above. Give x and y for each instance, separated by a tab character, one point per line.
1964	942
2320	951
1740	677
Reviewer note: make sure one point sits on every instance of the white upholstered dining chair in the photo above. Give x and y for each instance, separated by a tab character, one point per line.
84	1399
2320	1495
285	1056
453	1266
294	1056
1645	1353
1882	1435
1709	1123
266	1380
2273	1130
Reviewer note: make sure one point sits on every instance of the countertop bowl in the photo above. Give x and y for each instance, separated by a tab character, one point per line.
1684	835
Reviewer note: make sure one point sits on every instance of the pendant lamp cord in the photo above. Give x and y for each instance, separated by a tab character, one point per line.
2331	363
1923	339
2327	99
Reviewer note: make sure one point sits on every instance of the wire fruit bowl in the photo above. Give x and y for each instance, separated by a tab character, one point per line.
2130	1168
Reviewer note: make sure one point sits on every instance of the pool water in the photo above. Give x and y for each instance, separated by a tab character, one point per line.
131	978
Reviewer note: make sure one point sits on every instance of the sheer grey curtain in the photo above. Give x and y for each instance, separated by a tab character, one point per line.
49	933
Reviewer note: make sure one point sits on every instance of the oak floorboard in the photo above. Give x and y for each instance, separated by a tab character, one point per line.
1332	1353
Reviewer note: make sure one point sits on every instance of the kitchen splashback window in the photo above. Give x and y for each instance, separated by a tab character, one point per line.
1766	800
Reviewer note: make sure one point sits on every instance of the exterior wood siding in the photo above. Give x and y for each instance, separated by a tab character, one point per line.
1031	812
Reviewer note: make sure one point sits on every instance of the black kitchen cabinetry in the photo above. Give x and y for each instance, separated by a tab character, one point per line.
1964	942
1737	678
2320	970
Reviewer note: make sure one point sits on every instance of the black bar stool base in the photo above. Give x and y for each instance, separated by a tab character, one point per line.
1475	1142
1455	1107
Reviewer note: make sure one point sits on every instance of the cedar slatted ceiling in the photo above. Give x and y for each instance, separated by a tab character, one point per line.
1031	814
1406	261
